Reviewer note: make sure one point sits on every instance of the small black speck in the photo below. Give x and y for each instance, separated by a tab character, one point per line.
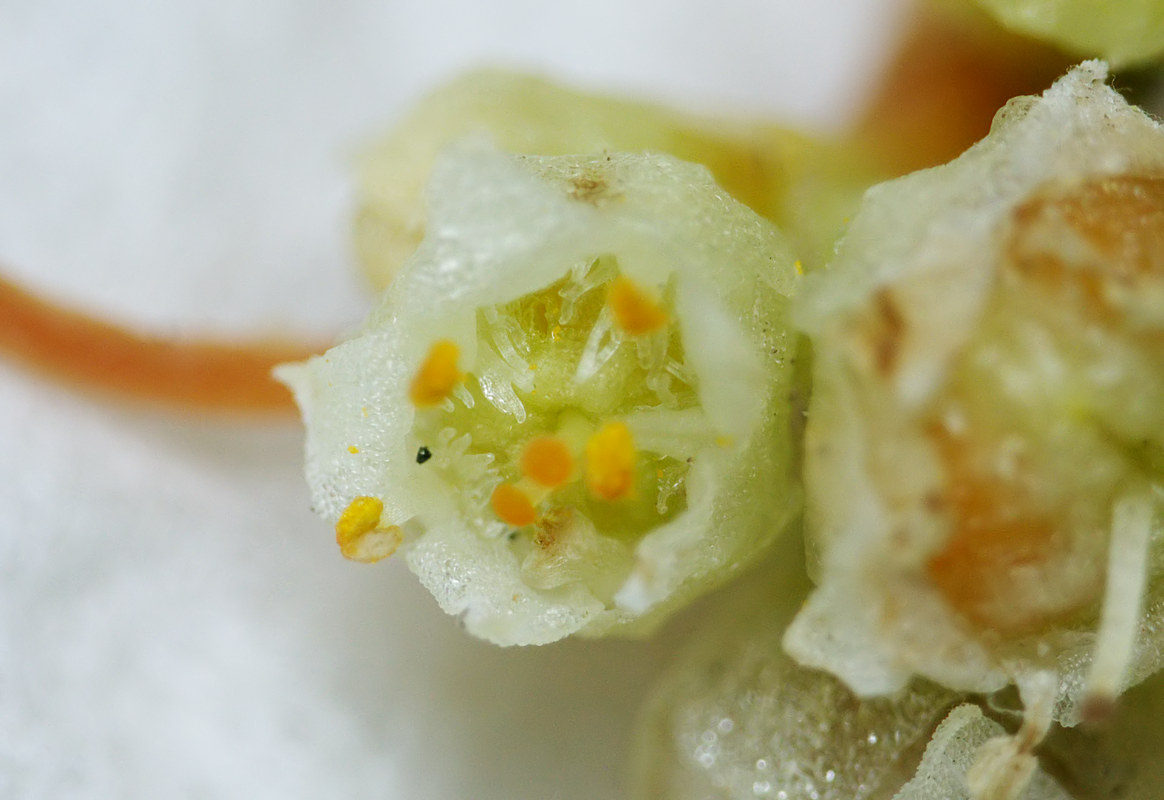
423	455
512	535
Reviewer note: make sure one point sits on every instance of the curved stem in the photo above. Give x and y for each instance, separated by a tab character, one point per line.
89	353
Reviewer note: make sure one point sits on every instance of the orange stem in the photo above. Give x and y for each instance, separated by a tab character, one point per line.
86	352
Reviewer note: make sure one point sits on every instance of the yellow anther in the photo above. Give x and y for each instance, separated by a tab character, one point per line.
799	267
437	376
556	333
361	516
635	311
353	449
610	462
548	461
512	505
359	534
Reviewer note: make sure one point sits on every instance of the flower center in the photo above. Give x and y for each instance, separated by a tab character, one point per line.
539	435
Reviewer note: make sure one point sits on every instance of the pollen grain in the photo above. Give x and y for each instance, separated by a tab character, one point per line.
547	460
635	311
513	506
437	376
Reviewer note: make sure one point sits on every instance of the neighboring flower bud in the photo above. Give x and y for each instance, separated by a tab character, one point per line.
1125	33
985	451
807	185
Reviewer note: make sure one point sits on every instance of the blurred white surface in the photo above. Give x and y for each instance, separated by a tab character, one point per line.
173	620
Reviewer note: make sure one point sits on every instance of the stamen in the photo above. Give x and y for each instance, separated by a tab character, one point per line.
610	462
359	535
462	394
1131	533
513	506
1003	766
635	311
500	393
548	461
652	354
437	376
601	344
583	278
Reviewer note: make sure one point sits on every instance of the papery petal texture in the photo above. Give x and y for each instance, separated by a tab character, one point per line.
676	443
984	452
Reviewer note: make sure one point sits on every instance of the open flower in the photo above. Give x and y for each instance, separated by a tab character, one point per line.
572	410
985	453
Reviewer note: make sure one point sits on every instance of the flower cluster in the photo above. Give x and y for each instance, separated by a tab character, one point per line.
579	405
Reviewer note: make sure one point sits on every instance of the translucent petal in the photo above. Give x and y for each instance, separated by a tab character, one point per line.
514	245
952	753
987	397
735	717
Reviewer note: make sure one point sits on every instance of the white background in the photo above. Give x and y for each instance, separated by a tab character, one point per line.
174	623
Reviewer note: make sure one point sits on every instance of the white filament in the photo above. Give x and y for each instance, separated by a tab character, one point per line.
603	341
583	277
1127	574
462	393
652	355
1005	765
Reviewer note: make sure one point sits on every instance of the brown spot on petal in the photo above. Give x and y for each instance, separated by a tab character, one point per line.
882	330
591	186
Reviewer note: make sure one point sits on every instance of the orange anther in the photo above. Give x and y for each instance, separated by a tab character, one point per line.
437	376
610	462
635	311
547	460
512	505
